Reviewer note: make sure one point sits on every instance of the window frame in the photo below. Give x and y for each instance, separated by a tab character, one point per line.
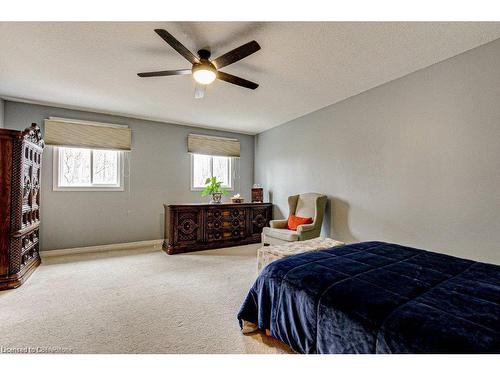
56	173
231	172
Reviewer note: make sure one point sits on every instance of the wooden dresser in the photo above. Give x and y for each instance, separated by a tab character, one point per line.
20	169
194	227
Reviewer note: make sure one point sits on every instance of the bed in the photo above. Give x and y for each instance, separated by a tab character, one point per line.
376	297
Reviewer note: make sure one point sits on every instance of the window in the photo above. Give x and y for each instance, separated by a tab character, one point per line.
86	169
204	166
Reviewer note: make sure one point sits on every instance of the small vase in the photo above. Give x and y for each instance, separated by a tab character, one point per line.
216	198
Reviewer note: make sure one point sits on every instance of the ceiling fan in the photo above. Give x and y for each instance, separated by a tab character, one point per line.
204	70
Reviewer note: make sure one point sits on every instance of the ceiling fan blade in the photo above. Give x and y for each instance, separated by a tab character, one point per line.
236	80
199	91
161	73
178	46
236	54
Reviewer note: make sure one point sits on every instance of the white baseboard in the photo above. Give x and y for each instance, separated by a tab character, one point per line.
155	244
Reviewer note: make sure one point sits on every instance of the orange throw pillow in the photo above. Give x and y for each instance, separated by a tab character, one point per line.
295	221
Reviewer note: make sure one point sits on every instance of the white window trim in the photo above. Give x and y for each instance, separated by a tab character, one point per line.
231	177
96	187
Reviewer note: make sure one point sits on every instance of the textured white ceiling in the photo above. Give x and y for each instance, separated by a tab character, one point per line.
301	67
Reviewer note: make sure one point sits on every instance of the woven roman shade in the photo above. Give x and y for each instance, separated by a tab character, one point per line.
217	146
76	133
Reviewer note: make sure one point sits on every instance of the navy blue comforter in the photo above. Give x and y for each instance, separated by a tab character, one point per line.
376	297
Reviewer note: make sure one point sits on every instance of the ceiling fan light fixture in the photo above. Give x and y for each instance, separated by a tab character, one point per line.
204	74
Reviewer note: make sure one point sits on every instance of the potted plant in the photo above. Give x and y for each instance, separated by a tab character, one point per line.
213	188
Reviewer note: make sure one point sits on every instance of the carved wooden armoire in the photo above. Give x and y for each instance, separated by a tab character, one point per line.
20	169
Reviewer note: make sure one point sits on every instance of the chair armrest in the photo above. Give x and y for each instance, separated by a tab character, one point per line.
279	224
305	228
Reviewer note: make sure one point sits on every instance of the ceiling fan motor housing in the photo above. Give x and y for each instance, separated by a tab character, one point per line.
204	54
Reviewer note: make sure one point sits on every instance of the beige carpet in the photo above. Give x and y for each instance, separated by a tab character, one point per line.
136	301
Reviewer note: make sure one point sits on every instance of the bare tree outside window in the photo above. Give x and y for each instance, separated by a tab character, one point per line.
86	168
105	167
204	166
75	166
221	170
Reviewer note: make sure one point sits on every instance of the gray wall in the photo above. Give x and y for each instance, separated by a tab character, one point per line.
159	173
415	161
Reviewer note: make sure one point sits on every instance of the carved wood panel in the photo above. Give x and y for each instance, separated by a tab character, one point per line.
187	224
260	218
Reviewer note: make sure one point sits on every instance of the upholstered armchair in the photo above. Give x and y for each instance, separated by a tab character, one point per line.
304	205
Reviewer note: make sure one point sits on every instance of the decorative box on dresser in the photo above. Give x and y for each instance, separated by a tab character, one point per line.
194	227
20	170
